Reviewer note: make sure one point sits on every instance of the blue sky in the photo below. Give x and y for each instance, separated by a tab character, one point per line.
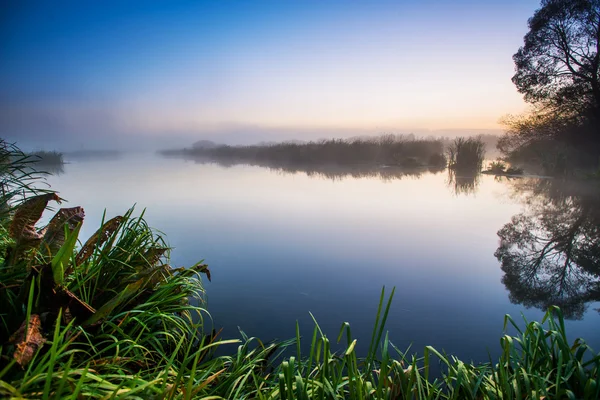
180	67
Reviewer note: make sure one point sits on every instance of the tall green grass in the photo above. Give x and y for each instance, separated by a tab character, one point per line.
536	363
111	319
18	178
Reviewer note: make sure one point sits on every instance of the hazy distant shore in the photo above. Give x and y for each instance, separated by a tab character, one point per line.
385	150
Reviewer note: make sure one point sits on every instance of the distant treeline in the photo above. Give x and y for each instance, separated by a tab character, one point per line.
360	154
390	150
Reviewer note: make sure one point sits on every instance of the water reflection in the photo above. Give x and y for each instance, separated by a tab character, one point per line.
337	173
324	247
93	155
334	172
46	168
550	253
463	184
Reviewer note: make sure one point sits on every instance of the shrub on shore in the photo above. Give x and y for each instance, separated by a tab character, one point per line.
466	154
47	157
501	168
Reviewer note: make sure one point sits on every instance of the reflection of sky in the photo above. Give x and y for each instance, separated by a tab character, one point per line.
179	66
280	246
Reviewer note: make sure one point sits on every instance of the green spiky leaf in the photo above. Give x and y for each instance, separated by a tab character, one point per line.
63	256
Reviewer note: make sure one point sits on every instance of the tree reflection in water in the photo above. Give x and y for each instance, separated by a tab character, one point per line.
463	183
550	253
332	171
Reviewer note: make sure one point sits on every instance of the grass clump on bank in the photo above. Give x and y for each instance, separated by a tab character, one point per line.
112	319
107	315
466	154
501	168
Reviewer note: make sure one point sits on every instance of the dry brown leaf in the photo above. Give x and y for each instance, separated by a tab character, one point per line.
77	307
28	343
208	381
159	275
203	268
151	276
22	227
55	297
207	272
98	239
153	255
54	232
28	240
28	214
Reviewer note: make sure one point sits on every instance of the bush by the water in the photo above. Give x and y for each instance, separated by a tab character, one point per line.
501	168
497	167
466	154
550	145
47	157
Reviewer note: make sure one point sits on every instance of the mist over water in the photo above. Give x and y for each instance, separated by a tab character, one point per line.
281	244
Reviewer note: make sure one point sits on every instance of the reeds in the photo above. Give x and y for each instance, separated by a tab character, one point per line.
466	155
466	184
497	167
536	363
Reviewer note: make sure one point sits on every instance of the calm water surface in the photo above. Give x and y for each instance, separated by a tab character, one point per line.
281	245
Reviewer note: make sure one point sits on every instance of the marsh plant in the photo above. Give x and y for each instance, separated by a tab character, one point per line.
463	184
499	167
466	154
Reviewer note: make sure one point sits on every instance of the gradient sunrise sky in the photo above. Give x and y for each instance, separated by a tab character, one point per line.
180	66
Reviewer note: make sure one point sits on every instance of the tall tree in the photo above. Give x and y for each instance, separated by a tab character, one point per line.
558	66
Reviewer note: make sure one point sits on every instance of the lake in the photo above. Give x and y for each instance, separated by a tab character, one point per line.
281	244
